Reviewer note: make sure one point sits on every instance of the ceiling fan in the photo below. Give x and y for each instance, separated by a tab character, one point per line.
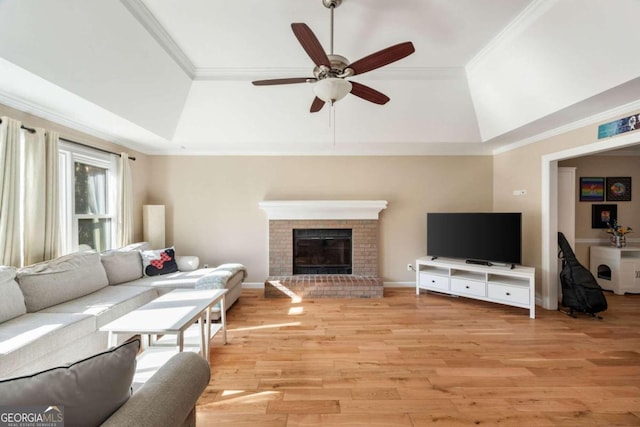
331	71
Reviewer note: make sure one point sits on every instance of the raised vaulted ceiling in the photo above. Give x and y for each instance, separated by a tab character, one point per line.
172	77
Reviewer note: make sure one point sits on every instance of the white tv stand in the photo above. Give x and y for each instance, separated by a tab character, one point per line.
502	285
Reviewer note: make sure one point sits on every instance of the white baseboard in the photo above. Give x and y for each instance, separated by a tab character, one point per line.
399	284
260	285
253	285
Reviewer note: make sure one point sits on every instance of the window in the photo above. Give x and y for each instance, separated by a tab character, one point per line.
87	198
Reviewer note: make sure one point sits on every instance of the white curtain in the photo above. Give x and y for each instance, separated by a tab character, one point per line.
51	244
40	199
125	202
33	203
10	241
29	200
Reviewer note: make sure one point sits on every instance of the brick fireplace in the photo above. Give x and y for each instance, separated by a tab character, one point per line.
322	251
364	244
361	217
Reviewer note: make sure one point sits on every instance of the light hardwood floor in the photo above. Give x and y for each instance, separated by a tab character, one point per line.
408	360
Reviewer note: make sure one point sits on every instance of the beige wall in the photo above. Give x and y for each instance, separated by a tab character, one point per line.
521	168
212	202
138	168
628	212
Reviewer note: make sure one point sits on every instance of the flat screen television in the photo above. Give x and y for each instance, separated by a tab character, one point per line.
485	238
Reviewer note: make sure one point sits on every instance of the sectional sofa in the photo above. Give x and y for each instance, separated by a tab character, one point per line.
97	391
51	312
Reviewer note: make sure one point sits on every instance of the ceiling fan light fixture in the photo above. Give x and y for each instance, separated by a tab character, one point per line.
332	89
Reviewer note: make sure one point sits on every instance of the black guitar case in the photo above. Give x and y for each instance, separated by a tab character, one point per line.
580	290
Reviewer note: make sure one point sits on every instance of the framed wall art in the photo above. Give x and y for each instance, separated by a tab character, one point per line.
618	189
591	189
601	215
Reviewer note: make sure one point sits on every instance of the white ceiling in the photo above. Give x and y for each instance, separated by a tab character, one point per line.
170	77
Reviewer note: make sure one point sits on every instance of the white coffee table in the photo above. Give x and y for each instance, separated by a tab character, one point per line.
172	314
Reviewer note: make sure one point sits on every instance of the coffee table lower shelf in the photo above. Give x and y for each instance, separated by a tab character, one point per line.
191	337
156	355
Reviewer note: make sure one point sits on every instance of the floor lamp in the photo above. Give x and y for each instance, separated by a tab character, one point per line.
153	225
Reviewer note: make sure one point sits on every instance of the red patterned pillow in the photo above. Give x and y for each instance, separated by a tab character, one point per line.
157	262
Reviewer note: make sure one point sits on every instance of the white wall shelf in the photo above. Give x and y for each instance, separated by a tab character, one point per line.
501	285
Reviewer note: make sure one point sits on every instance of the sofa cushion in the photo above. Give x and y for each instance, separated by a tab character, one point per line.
121	266
108	303
193	280
62	279
187	375
158	262
189	280
219	277
11	298
177	280
90	390
33	335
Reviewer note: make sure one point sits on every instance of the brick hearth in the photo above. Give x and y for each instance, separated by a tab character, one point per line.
323	286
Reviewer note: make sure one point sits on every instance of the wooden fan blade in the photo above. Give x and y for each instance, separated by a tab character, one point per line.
368	94
317	105
382	58
283	81
310	44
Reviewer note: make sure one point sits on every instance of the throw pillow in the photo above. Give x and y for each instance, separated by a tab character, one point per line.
11	300
157	262
89	390
122	266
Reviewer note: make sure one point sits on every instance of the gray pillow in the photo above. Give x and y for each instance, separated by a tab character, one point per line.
122	266
11	298
89	390
62	279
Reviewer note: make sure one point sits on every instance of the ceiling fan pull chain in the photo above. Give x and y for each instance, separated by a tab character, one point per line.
333	119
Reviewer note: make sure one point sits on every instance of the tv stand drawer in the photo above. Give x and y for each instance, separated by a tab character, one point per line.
512	294
433	281
469	287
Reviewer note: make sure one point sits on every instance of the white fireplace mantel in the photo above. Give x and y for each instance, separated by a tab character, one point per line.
323	209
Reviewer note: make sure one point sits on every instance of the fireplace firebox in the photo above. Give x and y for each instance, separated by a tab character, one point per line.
322	251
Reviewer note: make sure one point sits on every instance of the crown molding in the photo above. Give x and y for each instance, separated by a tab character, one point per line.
238	73
47	114
517	26
591	120
390	73
143	15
